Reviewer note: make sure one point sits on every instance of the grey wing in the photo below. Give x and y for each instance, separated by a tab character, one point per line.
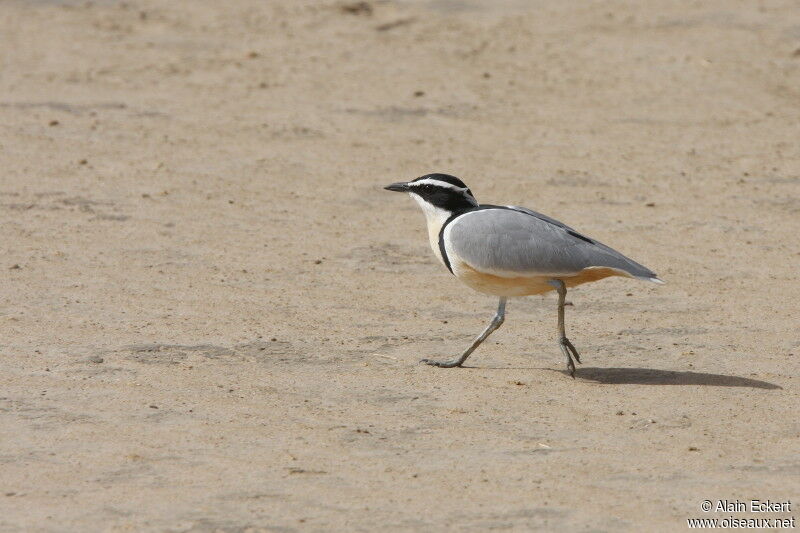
539	215
520	241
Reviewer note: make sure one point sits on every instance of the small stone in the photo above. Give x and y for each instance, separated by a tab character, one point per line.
620	413
95	359
53	123
693	449
14	267
273	339
153	407
83	162
357	8
419	93
650	204
318	262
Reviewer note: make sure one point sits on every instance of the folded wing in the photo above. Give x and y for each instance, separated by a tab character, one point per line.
514	241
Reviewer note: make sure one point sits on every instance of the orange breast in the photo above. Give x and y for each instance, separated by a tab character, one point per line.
526	285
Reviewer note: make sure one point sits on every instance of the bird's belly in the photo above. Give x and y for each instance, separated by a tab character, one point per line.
525	285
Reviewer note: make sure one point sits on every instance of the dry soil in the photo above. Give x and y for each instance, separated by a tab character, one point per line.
211	314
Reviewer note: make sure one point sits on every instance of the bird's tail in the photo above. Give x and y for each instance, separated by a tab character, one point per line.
652	279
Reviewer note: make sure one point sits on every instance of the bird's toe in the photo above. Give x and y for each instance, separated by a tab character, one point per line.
440	364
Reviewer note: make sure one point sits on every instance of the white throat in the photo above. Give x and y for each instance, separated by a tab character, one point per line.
435	217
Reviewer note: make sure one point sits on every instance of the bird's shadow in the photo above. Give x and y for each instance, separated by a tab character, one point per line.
654	376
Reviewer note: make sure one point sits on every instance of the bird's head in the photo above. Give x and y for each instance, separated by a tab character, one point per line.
438	192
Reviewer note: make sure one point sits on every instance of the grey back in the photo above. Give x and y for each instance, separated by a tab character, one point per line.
516	240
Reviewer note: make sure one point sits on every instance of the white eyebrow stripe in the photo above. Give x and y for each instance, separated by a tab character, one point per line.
438	183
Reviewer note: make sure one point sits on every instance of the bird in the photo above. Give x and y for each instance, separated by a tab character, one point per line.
510	251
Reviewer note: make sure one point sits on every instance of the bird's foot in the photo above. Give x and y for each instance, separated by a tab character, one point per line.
571	367
569	351
565	342
443	364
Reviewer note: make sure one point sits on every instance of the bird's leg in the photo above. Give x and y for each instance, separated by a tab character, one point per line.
563	342
493	325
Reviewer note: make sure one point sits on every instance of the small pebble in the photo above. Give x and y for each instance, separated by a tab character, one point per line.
95	359
357	8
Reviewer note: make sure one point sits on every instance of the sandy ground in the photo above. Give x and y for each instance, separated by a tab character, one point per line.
211	314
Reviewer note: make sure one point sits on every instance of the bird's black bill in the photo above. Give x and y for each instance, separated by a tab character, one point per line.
397	187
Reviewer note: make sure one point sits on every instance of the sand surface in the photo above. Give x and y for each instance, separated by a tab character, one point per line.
211	314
